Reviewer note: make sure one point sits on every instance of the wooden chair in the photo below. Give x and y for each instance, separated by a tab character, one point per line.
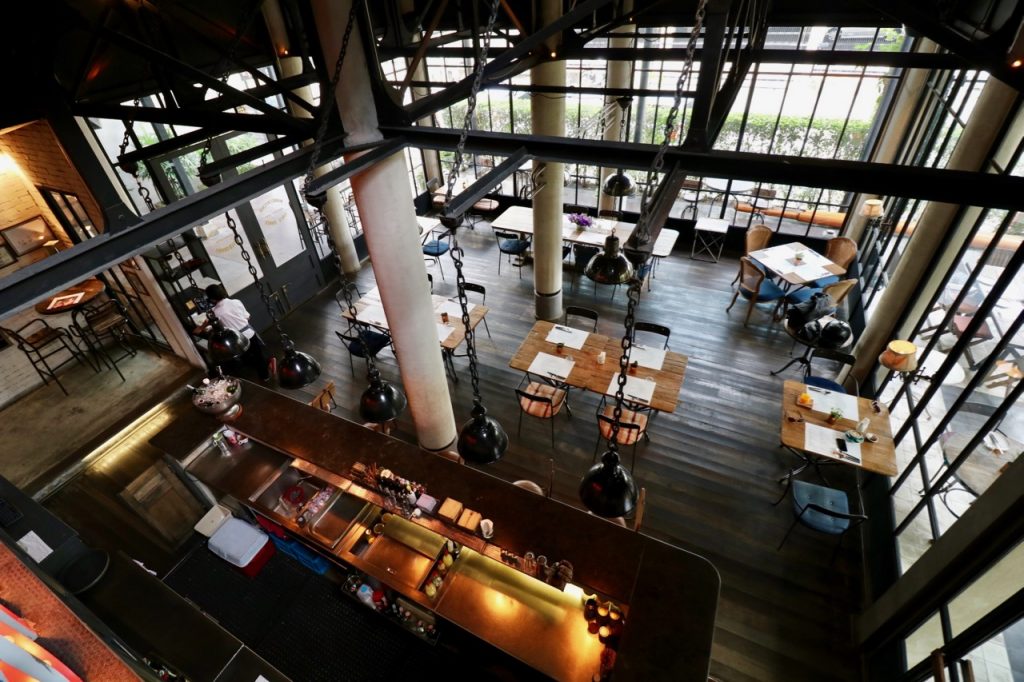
841	251
540	400
752	285
757	238
324	400
99	324
578	311
632	427
39	342
611	215
958	326
452	456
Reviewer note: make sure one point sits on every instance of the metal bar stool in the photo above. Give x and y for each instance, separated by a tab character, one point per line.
39	341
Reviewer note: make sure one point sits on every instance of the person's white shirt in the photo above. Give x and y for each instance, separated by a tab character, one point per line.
233	315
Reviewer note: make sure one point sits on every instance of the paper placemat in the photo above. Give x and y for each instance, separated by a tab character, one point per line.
825	401
808	272
637	390
551	366
453	308
373	314
652	358
823	441
443	331
573	338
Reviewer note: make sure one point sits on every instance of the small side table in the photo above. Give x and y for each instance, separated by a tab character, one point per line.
709	235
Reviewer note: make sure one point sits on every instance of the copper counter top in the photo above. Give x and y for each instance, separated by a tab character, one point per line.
672	594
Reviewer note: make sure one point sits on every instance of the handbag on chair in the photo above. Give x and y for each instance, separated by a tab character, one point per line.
814	308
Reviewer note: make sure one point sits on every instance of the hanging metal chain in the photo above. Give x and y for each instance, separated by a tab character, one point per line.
132	169
642	233
286	342
478	79
456	251
203	303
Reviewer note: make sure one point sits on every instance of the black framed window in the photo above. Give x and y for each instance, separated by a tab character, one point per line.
70	213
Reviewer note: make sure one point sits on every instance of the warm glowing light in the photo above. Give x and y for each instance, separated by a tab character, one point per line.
1016	63
7	164
283	51
553	54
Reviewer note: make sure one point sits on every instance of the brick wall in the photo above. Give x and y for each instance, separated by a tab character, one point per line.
35	149
18	204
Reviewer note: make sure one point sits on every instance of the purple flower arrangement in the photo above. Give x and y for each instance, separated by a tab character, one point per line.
581	220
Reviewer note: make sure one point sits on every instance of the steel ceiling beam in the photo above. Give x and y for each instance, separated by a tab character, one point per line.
515	59
167	146
485	184
43	278
256	123
282	87
715	20
214	169
377	151
947	186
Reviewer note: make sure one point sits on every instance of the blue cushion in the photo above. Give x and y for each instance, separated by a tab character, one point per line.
770	291
435	248
822	382
513	246
825	281
828	498
801	295
375	341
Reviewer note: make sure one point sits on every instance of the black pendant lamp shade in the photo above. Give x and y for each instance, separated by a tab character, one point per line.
609	266
296	369
608	489
225	344
382	401
482	440
618	184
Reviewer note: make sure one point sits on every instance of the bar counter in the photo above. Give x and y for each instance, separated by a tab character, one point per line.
670	594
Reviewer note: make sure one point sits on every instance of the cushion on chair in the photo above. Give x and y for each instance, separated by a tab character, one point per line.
825	281
828	498
375	341
537	408
513	246
626	436
960	323
770	291
822	382
486	205
435	248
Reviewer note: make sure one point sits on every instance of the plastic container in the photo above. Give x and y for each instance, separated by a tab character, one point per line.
212	520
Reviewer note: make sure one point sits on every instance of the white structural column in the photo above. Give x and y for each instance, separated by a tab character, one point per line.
292	66
547	115
937	229
392	236
619	74
903	109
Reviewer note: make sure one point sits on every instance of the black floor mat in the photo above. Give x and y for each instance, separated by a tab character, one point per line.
248	608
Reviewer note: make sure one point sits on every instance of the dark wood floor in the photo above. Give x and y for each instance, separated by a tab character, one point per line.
710	470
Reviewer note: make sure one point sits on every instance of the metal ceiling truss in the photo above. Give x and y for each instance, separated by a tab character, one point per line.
485	184
224	120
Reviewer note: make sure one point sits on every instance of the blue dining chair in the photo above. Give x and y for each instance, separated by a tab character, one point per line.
437	247
754	287
511	244
844	359
823	509
361	345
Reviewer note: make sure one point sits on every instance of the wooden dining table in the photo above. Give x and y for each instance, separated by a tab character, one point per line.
519	219
588	374
781	262
370	311
89	289
878	457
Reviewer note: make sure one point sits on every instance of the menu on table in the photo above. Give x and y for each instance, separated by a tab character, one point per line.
65	301
573	338
453	308
809	272
373	314
637	389
825	401
551	366
645	356
830	443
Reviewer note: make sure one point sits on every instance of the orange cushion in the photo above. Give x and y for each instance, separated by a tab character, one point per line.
542	409
486	205
626	436
826	218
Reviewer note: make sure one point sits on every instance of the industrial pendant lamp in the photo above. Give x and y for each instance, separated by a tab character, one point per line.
609	266
482	440
619	184
608	489
296	369
225	344
382	401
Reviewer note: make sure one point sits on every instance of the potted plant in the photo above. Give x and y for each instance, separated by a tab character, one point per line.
581	220
835	415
